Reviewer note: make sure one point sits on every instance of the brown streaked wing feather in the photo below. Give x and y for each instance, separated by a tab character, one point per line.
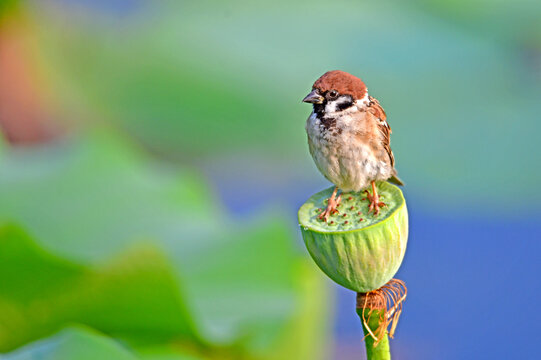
375	109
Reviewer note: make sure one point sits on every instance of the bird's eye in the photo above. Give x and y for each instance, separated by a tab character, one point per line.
333	94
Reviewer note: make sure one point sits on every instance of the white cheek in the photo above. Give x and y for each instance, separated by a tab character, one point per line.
330	107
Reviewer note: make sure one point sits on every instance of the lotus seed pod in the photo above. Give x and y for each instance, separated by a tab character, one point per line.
357	250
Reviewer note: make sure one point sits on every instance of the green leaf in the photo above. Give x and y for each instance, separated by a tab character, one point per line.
79	343
135	296
103	216
91	198
7	7
307	332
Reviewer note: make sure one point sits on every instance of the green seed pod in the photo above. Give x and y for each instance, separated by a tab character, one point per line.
358	250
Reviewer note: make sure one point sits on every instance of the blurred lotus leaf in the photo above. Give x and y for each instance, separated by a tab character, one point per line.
73	343
6	6
141	253
191	90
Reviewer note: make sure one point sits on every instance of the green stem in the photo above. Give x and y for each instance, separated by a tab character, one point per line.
381	351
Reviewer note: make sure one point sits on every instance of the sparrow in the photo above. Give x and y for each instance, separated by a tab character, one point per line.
349	138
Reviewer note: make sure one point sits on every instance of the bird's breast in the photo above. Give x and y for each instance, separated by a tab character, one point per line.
343	155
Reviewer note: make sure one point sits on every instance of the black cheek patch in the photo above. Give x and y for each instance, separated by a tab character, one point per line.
344	105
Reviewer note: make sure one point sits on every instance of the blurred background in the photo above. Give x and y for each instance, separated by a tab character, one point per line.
153	157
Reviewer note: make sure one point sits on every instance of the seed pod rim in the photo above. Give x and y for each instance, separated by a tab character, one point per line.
389	215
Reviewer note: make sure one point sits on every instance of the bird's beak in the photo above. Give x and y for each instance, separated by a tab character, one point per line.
313	98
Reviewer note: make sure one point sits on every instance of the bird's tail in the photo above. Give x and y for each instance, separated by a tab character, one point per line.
395	180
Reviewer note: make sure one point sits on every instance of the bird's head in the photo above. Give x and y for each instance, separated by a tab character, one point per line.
335	92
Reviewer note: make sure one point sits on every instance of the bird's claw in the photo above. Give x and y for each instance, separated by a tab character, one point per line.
375	204
331	208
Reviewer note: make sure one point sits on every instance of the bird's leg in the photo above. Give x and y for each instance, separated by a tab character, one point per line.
332	204
375	204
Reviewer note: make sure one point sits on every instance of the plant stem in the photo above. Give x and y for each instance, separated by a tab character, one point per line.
381	351
372	313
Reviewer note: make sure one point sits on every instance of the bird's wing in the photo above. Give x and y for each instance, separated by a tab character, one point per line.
383	126
385	129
